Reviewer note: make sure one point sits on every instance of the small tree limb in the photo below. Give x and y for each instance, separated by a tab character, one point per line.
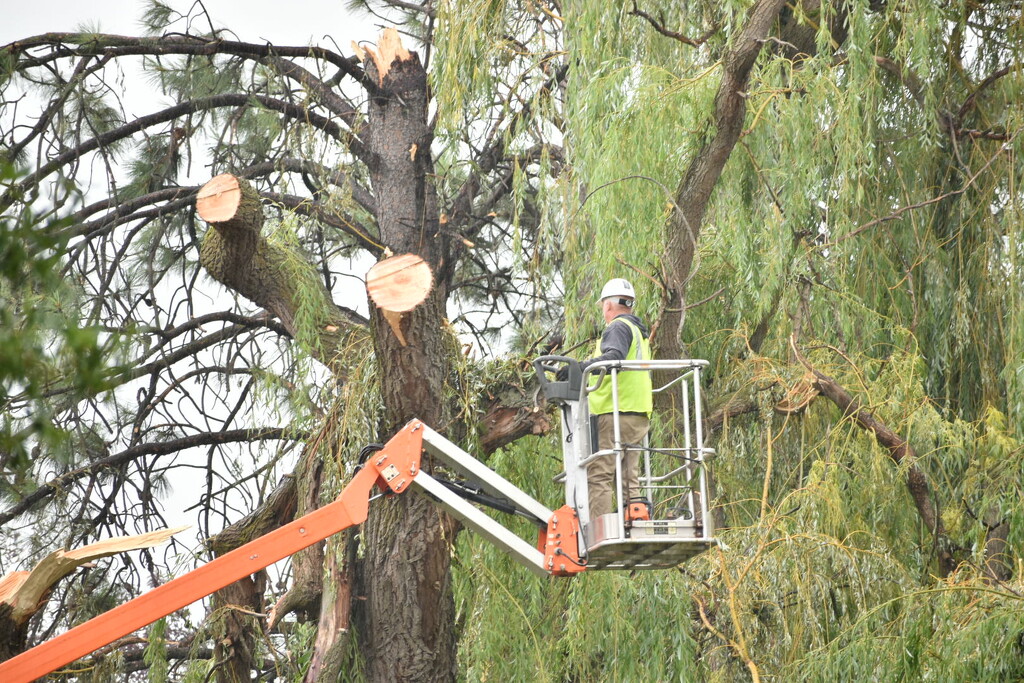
901	453
660	27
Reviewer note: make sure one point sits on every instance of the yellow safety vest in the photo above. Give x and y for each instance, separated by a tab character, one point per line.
634	385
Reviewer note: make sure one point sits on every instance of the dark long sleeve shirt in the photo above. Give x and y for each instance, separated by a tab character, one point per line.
616	339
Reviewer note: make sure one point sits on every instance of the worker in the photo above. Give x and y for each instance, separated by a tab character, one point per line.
625	337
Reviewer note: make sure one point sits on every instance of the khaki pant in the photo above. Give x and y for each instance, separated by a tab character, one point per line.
601	472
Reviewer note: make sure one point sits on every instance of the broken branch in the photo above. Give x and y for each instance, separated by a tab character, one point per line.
899	450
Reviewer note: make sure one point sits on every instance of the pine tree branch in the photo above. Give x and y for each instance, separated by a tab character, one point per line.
316	210
294	111
72	44
244	321
362	196
135	371
179	197
54	106
124	211
235	253
338	104
183	352
426	9
157	448
112	46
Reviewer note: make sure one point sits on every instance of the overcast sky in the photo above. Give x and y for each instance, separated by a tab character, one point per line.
299	22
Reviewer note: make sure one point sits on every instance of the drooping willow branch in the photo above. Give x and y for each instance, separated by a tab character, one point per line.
919	205
696	185
460	210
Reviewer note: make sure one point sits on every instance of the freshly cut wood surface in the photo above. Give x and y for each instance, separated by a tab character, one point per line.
399	283
218	199
26	591
798	396
11	584
389	49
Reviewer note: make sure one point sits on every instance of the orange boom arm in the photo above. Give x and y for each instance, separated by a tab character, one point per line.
394	467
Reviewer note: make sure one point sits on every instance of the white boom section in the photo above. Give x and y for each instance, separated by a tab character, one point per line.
453	458
478	521
474	471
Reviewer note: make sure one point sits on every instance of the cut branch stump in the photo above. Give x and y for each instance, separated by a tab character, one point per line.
397	285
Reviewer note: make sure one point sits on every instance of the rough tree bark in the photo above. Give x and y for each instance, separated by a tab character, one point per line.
405	600
405	576
999	553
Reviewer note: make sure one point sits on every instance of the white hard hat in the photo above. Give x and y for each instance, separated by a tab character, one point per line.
618	286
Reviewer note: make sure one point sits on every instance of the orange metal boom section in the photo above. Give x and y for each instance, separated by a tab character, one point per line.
560	543
393	467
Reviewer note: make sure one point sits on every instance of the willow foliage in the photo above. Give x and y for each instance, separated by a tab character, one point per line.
871	211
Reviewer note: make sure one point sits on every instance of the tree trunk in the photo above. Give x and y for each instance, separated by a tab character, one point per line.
334	625
236	609
407	617
13	635
998	553
401	597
